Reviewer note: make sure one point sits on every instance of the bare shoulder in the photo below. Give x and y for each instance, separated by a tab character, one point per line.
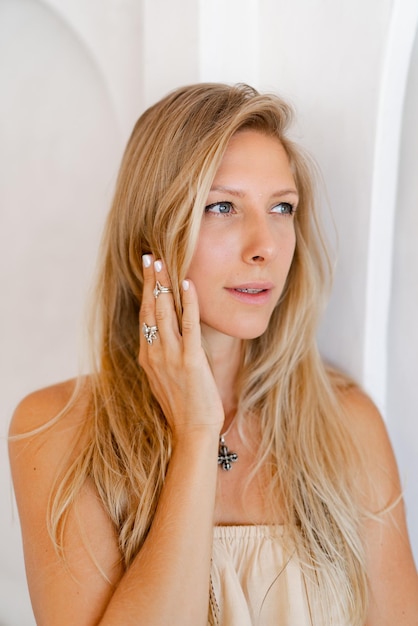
365	421
45	434
381	478
43	439
46	438
38	408
390	565
364	417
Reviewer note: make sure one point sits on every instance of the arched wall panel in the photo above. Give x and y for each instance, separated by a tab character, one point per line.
402	347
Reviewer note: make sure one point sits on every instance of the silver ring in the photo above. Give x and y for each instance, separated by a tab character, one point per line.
149	332
159	288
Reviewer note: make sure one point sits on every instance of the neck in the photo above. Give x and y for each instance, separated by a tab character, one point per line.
225	355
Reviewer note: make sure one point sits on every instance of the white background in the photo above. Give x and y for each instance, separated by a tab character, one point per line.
75	75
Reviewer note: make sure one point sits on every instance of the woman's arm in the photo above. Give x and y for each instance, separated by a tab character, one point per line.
391	570
168	582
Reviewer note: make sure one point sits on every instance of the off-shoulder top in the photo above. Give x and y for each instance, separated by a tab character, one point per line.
255	581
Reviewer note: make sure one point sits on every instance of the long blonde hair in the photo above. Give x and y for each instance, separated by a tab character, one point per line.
166	173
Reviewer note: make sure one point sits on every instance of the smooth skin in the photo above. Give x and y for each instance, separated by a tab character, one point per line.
246	239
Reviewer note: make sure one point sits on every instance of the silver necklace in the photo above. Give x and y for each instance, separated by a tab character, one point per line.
225	457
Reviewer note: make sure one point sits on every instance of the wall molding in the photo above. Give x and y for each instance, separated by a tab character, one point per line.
400	41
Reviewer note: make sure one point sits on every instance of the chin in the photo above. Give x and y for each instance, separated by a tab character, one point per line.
254	335
241	327
246	331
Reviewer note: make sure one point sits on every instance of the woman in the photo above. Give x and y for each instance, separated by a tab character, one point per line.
211	467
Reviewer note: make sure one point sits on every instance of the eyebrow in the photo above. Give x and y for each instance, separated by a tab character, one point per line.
240	194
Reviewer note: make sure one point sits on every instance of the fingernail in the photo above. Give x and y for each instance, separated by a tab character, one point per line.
146	260
158	266
185	284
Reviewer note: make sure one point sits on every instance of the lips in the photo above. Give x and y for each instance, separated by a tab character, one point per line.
255	287
252	293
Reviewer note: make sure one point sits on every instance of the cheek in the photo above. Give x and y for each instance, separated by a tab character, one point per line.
292	249
290	259
289	246
210	258
286	246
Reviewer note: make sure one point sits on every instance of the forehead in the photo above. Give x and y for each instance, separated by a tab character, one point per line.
249	140
255	153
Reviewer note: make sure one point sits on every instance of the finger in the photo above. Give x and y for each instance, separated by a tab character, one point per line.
165	314
191	332
147	310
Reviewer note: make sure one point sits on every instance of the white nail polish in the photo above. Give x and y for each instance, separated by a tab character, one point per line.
158	266
146	260
185	285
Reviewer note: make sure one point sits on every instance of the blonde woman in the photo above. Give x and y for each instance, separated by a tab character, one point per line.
211	468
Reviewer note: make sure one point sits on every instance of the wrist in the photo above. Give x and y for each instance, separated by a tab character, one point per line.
196	436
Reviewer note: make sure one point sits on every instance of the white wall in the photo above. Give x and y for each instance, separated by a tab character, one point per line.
75	74
403	329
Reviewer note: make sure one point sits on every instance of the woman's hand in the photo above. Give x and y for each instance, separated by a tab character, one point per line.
175	363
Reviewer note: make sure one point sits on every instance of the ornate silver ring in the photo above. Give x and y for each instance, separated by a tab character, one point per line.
159	288
149	332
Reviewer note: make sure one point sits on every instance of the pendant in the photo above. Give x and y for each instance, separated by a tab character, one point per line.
225	457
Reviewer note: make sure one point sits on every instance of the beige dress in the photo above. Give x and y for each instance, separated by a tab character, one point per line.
254	580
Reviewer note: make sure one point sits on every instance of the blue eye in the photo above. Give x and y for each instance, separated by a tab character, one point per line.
219	208
284	208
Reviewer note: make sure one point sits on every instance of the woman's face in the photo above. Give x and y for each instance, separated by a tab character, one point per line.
247	237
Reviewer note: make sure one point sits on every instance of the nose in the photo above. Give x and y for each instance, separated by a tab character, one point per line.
260	241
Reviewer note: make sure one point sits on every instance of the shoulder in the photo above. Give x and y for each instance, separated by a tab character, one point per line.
70	545
46	431
364	418
361	411
45	436
389	562
380	479
39	407
390	566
